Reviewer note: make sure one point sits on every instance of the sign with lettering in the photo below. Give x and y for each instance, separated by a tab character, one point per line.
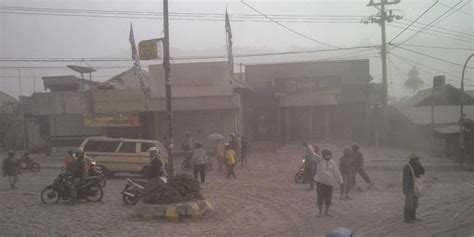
306	84
125	119
150	49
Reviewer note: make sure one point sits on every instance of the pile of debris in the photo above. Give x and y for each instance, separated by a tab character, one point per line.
182	189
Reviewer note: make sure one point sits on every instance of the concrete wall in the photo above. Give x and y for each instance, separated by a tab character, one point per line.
67	102
71	125
192	80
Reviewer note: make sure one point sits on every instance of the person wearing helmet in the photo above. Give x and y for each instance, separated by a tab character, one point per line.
79	171
10	168
69	159
155	163
327	173
359	164
200	161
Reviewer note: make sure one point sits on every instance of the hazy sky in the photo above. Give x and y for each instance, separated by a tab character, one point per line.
44	36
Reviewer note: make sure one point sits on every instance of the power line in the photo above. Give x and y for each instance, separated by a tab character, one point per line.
406	60
455	32
286	27
433	21
437	47
442	32
220	15
463	12
439	35
10	59
433	57
413	22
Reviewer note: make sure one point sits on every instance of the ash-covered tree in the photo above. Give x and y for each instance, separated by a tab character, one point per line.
414	83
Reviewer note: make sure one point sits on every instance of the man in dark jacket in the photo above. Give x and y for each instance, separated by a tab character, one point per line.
411	201
359	164
10	168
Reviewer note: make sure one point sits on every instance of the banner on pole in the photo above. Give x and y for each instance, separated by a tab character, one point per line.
150	49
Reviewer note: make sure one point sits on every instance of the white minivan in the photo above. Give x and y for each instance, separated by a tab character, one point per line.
119	155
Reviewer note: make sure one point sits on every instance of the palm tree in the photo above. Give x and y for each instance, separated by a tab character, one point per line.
413	82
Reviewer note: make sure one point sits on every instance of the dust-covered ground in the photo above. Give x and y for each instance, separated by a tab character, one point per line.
263	201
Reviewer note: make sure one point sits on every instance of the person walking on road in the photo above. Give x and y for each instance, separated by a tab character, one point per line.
11	168
326	175
243	151
311	167
200	161
347	169
359	165
187	144
220	154
412	171
231	161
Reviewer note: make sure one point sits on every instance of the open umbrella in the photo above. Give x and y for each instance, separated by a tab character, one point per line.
215	136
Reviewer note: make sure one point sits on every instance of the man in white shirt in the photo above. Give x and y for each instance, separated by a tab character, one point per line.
327	175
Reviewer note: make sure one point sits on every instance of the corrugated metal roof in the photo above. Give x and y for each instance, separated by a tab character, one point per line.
444	114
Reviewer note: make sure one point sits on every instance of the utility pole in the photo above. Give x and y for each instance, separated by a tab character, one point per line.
166	66
462	115
23	131
380	19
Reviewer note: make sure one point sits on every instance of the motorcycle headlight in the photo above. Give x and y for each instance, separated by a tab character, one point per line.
93	163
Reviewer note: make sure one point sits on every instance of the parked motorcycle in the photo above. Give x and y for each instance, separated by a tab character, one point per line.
299	176
26	163
134	190
90	189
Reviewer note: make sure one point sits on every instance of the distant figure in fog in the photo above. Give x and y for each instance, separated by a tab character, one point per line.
311	165
11	168
233	142
327	173
220	150
231	161
412	170
187	145
243	151
200	161
359	164
347	168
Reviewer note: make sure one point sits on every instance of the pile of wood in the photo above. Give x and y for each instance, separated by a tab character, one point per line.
183	188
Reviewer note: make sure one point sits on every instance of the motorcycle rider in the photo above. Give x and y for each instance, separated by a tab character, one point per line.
79	171
155	163
70	158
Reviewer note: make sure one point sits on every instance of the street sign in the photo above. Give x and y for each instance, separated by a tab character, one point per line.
150	49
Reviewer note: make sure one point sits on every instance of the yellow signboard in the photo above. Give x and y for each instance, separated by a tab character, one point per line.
128	119
149	49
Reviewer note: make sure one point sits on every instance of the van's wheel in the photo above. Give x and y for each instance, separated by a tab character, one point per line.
146	172
106	172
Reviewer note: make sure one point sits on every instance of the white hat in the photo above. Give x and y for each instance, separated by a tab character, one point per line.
153	149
